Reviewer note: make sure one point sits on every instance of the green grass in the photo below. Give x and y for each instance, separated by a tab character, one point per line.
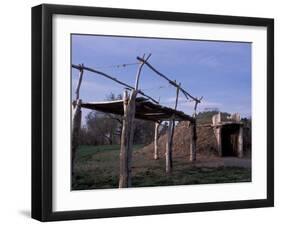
86	152
97	167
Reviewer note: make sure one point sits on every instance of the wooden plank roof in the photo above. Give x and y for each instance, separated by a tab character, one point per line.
144	110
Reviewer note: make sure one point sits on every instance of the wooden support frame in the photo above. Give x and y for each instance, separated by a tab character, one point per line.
193	133
240	142
80	67
139	71
174	83
168	154
156	134
170	136
77	91
76	120
127	139
193	138
75	134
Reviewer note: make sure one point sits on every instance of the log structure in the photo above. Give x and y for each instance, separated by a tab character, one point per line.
240	142
127	139
76	121
169	148
170	135
76	125
145	110
193	138
82	67
132	107
156	151
77	91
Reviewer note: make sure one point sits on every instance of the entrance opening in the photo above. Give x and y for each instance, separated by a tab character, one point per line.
229	140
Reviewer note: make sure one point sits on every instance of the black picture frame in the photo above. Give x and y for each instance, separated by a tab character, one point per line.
42	111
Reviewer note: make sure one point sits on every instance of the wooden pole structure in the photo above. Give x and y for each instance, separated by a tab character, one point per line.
139	71
156	151
216	123
169	163
186	94
76	126
193	138
240	142
76	121
193	133
127	139
79	67
170	135
77	91
176	105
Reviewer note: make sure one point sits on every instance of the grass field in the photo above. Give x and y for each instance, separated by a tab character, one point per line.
97	167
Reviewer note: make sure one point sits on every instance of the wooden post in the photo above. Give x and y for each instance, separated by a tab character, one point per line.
127	139
193	138
76	126
169	162
240	142
170	136
216	120
77	91
217	132
113	79
193	132
156	154
139	71
177	95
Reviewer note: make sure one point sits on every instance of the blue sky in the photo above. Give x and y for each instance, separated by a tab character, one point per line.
218	71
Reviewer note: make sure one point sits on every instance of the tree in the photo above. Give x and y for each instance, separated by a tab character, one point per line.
101	128
106	128
206	116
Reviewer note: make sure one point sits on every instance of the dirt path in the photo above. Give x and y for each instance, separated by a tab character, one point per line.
238	162
225	161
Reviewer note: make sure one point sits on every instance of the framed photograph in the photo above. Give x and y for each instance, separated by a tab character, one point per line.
145	112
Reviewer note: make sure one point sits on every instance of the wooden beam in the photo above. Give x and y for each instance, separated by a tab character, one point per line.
177	96
195	107
75	134
240	142
193	133
216	124
139	71
170	136
193	138
144	110
157	72
80	67
169	162
127	139
169	80
77	91
156	151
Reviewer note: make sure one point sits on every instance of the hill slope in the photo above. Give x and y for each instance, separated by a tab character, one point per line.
206	141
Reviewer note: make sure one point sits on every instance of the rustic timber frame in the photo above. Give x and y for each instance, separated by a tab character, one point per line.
134	107
43	198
